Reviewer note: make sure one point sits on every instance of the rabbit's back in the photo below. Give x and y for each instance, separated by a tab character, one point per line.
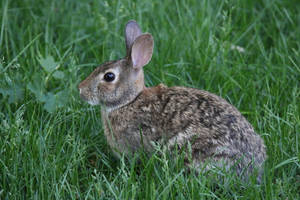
176	116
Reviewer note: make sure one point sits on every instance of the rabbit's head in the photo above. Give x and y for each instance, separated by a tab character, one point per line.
117	83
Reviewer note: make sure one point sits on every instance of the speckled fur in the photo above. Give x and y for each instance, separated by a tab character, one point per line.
136	117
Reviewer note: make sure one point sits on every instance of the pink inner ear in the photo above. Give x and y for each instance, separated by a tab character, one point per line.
142	50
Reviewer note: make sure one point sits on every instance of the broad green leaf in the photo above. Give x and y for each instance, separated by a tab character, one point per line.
54	101
36	86
48	63
58	74
36	90
62	98
50	103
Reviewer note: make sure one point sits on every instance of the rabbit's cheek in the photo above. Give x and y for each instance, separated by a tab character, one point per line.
106	88
108	93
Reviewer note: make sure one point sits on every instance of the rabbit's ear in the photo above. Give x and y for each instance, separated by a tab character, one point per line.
132	31
141	51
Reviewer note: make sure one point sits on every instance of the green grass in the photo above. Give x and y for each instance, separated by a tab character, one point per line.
52	144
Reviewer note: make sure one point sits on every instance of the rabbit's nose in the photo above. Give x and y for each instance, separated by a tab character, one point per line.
83	94
81	91
81	85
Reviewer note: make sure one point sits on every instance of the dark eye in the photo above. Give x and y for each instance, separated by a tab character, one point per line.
109	77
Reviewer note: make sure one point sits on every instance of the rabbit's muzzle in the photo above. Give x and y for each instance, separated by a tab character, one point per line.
82	95
83	92
87	94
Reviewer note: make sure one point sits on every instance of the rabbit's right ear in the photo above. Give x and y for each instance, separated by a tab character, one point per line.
132	31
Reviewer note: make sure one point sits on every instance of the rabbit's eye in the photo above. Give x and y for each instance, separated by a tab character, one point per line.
109	77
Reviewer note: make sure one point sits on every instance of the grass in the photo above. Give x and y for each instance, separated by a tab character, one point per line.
52	144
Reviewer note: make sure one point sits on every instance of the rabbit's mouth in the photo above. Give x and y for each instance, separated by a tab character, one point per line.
93	102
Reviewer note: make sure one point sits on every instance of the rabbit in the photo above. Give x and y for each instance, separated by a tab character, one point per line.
135	117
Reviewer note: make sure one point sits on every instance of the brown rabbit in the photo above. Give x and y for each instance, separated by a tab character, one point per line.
135	116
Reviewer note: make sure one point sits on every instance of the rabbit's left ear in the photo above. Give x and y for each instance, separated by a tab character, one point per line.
141	50
132	31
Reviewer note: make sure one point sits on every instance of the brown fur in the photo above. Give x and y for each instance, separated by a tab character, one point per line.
136	117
